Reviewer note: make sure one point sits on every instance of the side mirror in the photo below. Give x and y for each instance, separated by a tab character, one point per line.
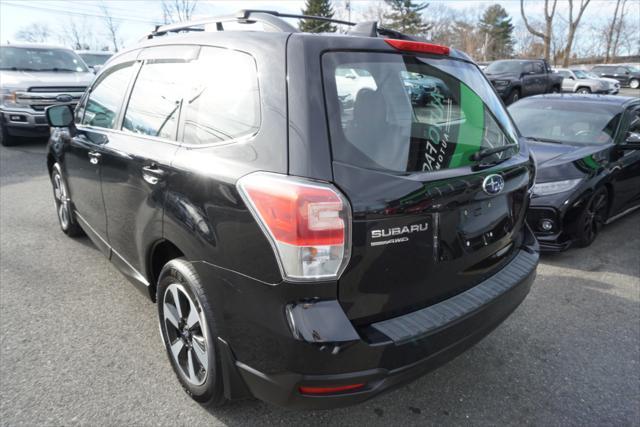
632	138
571	78
59	116
631	142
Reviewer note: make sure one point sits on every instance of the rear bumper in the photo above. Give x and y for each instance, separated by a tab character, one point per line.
281	360
456	336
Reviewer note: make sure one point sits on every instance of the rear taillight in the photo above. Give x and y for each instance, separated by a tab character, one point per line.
307	222
419	47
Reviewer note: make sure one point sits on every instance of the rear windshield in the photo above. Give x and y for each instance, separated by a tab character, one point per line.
401	113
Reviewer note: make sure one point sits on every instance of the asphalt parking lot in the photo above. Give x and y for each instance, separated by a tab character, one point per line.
80	345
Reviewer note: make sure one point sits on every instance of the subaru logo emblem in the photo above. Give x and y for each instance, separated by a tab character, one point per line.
493	184
64	98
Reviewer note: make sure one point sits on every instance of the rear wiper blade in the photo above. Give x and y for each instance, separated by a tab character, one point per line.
534	138
479	155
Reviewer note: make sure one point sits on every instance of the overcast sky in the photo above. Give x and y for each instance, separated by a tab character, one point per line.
137	17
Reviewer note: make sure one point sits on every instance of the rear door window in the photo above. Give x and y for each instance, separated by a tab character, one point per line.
156	99
406	114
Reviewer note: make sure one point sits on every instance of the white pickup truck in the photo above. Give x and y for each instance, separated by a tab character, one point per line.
32	78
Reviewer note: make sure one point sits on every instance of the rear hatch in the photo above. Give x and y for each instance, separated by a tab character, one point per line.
429	221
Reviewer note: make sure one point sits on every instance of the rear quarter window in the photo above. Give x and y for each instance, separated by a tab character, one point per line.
223	102
404	114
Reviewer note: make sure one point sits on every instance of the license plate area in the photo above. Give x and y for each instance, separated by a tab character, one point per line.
485	222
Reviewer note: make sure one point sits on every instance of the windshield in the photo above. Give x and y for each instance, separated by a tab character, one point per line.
566	122
93	59
582	75
40	59
499	67
405	114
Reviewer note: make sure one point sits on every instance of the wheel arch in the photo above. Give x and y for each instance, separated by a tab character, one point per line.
161	252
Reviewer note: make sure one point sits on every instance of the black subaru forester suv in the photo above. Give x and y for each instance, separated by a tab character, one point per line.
310	236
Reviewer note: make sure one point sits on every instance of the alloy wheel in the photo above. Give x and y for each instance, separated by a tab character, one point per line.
634	84
62	201
186	333
595	216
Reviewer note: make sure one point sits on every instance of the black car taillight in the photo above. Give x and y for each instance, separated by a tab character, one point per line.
308	223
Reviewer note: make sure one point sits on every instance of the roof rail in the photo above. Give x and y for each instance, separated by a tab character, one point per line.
275	21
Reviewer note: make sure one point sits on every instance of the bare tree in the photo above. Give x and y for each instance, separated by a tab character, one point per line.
611	31
548	30
111	25
178	10
619	31
34	33
573	26
78	35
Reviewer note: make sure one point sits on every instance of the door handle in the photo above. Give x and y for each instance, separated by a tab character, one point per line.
153	174
94	157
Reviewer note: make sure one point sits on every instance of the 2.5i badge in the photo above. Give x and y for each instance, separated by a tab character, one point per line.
400	234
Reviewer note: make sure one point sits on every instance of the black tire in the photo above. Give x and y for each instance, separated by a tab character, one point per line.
555	89
592	218
514	95
6	140
634	83
583	90
66	218
201	381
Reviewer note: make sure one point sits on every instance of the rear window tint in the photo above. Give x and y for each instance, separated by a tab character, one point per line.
404	114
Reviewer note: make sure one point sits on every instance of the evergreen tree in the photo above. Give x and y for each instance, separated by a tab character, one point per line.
405	16
497	31
317	8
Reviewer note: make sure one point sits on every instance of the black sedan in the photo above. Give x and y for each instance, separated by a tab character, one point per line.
588	153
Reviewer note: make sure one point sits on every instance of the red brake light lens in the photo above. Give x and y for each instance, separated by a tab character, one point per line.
307	222
329	390
299	215
420	47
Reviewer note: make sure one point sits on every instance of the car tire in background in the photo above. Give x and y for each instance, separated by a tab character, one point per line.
592	218
514	95
189	332
583	90
6	140
66	217
634	83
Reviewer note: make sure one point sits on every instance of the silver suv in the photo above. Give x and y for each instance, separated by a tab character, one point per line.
33	77
581	81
